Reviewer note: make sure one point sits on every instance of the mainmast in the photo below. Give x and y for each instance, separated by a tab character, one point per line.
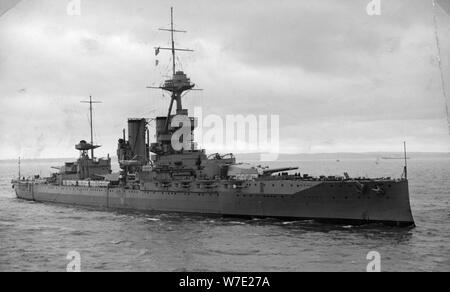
90	101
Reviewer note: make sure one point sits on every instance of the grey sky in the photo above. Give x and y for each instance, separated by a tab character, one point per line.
339	79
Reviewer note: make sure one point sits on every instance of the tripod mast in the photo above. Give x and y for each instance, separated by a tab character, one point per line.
179	82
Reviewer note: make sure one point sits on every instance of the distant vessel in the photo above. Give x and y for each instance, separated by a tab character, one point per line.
394	158
157	177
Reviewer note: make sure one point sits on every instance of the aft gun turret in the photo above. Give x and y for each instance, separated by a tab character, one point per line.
270	171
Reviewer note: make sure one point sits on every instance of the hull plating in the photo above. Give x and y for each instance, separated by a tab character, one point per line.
328	201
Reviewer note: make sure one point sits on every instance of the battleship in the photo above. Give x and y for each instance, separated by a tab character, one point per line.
163	177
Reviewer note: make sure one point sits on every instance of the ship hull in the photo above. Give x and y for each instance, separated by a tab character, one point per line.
325	201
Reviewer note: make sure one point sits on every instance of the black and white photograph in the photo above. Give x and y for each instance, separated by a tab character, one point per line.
221	142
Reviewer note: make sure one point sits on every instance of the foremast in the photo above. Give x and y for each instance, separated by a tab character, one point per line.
169	160
176	86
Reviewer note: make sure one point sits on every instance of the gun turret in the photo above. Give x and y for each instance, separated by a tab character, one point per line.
270	171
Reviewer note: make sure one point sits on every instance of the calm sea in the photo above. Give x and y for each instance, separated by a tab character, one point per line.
38	237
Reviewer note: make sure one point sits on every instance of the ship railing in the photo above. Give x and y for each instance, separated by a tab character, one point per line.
86	183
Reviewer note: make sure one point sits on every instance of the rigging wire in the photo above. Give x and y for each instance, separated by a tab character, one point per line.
8	9
179	63
88	120
94	130
439	59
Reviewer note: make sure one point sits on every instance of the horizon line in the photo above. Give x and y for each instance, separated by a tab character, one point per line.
259	153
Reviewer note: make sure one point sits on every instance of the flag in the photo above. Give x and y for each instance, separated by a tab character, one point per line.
156	51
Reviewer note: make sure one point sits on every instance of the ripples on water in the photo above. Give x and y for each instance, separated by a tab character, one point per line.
37	237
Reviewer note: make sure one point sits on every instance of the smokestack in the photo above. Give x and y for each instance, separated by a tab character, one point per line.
136	138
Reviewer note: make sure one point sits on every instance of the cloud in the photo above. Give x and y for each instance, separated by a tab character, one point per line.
339	79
